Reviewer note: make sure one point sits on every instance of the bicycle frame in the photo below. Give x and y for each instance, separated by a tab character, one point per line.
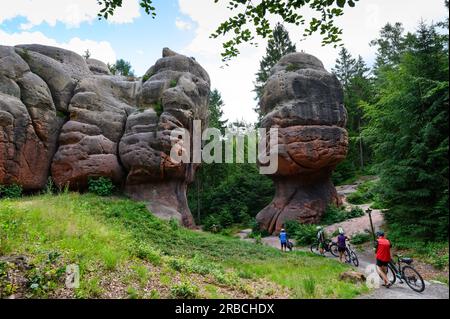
396	268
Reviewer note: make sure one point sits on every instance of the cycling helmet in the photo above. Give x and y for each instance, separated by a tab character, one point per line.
380	233
319	227
341	230
282	229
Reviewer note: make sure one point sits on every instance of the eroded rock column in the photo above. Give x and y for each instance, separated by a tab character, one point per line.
174	93
305	103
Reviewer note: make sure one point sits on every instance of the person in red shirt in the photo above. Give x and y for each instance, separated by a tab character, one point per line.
383	256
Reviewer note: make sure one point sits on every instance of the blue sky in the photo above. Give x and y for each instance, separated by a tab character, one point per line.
139	42
185	26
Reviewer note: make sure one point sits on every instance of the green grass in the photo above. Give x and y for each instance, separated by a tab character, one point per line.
106	235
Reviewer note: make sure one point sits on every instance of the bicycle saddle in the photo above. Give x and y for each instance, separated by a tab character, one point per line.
406	260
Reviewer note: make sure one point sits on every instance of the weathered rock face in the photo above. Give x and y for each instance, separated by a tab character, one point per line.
305	103
29	123
175	93
69	118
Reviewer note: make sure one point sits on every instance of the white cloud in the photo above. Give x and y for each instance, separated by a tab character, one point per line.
99	50
360	24
183	25
69	12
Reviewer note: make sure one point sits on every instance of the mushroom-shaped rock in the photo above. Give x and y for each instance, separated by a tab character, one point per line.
305	103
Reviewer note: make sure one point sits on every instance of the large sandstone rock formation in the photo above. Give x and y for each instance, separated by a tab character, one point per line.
305	103
69	118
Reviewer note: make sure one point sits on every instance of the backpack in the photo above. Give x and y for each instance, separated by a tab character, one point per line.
290	245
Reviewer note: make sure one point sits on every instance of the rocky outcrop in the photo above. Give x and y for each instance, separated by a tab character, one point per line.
175	93
305	103
69	118
29	123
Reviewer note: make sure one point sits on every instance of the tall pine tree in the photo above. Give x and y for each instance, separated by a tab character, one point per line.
408	128
354	77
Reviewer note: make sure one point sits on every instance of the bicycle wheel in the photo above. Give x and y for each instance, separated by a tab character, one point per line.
315	249
413	279
391	274
334	250
354	258
348	259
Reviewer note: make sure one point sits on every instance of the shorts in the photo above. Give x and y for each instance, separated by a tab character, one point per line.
381	263
283	244
342	249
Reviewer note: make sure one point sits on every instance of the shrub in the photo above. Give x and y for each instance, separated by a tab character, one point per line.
225	218
101	186
292	67
360	238
355	212
10	191
211	223
217	222
334	214
158	108
184	291
173	83
304	234
365	193
146	77
256	230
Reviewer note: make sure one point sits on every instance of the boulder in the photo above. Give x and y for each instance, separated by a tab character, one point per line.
305	103
98	67
353	276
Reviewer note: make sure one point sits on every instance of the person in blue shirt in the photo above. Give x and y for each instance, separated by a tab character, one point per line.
283	239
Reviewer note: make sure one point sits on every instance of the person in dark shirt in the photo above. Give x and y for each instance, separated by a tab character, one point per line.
342	244
383	256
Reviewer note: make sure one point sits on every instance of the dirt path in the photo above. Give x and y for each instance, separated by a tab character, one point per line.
433	289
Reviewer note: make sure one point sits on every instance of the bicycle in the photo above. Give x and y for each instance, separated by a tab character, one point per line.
405	273
329	246
350	256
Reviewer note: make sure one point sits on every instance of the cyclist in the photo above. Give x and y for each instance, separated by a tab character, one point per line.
342	244
383	256
283	239
321	239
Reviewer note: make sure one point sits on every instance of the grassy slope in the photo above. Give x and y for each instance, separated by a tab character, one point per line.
123	251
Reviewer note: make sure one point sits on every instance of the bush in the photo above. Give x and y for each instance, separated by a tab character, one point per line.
256	230
184	291
217	222
10	191
158	108
355	212
365	193
173	83
361	238
211	223
101	186
304	234
334	214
